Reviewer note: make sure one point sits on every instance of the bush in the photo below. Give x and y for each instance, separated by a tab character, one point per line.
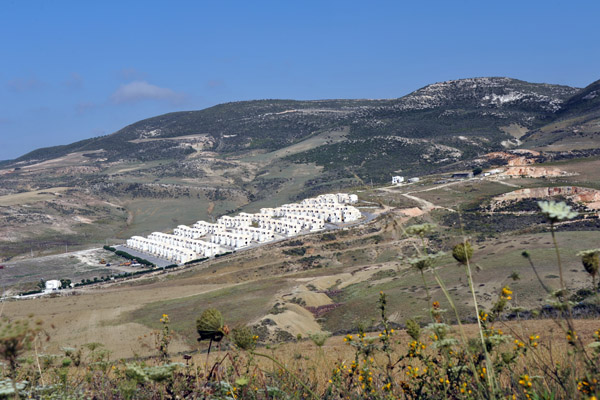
299	251
196	261
30	292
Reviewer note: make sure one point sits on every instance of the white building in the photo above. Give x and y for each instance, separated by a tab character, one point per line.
192	233
397	180
52	285
413	180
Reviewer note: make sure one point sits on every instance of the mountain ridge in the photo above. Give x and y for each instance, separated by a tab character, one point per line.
246	155
272	124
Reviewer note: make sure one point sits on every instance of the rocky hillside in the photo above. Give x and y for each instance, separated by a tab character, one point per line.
575	126
184	166
469	107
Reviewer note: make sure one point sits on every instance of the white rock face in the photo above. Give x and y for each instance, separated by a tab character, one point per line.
485	92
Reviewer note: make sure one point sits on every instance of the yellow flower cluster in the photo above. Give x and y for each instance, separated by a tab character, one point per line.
519	344
385	333
586	386
483	316
492	332
571	337
365	379
526	384
464	389
533	340
232	393
525	381
415	348
506	292
413	372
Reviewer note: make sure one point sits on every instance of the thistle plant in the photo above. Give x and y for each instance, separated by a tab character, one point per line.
210	325
244	338
556	212
163	338
422	263
420	230
319	338
591	261
462	252
16	337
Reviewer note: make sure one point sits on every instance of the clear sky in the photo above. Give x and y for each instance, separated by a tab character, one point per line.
71	70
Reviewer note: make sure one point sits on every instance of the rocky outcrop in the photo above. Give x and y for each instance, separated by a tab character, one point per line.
587	196
534	172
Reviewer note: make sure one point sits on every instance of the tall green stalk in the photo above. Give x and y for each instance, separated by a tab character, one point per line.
560	268
488	361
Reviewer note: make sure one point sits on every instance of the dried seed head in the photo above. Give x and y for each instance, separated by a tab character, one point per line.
462	252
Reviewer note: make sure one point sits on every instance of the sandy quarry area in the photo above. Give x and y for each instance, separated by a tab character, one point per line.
587	196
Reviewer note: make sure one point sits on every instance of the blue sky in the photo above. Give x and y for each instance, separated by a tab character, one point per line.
71	70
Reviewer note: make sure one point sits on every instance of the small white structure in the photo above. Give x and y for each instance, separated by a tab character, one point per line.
413	180
52	285
396	180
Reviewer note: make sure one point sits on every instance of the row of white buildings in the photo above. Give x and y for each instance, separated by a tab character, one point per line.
205	239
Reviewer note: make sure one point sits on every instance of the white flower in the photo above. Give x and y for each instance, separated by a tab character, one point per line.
556	211
584	253
425	261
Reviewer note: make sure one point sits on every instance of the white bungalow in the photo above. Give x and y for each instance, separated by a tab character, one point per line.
396	180
52	285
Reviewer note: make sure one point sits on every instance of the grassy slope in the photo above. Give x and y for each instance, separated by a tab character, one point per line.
359	263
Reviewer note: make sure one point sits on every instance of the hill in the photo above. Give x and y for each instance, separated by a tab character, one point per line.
182	167
575	125
186	166
479	107
329	281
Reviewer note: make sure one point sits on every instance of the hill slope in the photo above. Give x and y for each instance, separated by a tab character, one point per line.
470	107
184	166
576	125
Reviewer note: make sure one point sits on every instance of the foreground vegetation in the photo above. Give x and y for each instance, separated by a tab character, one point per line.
430	359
